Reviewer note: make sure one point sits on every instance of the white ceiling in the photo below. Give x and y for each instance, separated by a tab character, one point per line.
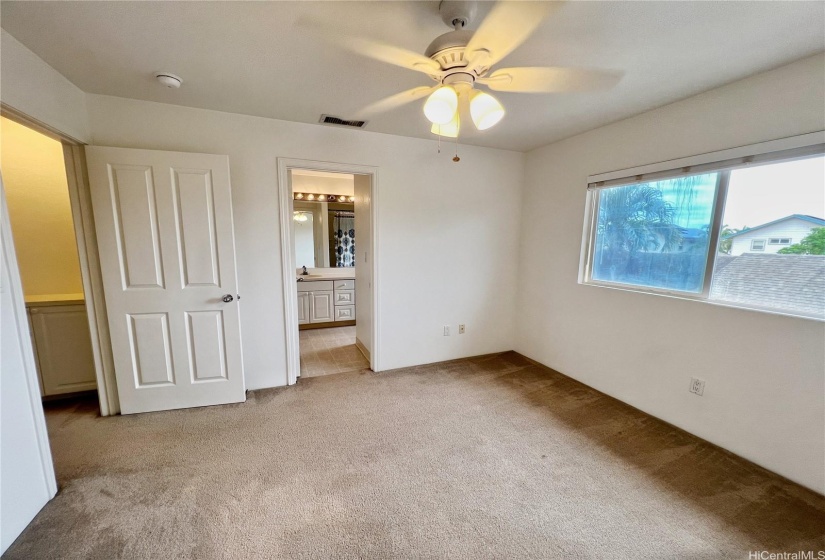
250	57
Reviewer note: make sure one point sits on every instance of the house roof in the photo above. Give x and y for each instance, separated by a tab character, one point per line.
818	222
787	282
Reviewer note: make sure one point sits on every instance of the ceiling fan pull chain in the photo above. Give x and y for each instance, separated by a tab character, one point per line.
456	158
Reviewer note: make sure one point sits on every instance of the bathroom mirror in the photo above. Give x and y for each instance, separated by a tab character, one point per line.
324	234
323	218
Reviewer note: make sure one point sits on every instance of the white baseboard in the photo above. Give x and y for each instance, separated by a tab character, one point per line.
362	348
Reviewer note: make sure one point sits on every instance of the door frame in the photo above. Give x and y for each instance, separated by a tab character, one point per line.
288	268
86	239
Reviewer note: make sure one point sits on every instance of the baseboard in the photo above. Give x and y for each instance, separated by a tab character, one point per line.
362	348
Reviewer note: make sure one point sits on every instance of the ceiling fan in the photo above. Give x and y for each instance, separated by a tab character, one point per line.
460	60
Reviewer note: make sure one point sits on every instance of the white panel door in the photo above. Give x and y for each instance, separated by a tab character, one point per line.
167	251
321	307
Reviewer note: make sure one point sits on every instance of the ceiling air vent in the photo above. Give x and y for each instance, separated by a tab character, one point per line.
329	119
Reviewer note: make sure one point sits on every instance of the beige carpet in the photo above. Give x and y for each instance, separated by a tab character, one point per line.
483	458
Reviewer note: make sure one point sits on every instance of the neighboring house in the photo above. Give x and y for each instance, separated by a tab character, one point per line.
775	235
793	283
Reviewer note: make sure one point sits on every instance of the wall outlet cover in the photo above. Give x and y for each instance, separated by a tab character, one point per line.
461	329
697	386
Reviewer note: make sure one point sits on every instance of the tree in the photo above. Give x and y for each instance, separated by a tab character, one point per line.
725	242
812	244
636	218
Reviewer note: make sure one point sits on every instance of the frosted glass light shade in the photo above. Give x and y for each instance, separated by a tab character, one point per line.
485	110
449	130
441	105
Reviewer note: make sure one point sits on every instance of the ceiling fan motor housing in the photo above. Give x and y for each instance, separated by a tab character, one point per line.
448	49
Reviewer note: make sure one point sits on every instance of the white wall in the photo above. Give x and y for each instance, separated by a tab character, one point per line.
36	89
26	474
37	192
448	241
765	404
322	185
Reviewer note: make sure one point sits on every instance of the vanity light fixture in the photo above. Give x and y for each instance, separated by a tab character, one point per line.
324	197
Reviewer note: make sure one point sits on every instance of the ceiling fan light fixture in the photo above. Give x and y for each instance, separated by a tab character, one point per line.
485	110
449	130
441	106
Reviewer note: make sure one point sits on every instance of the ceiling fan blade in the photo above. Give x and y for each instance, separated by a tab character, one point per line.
397	100
506	27
372	48
550	79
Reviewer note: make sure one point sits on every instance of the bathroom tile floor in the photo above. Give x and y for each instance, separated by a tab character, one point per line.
325	351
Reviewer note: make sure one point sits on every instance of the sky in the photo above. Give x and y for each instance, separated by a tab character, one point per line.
758	195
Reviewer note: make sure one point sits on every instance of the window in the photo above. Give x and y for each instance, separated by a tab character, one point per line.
689	231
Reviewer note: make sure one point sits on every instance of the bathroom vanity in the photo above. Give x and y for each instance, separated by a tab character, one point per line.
324	299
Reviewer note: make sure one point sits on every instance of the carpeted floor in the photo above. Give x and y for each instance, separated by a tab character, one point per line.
491	457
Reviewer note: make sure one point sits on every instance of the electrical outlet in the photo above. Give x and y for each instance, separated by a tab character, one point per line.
461	329
697	386
446	330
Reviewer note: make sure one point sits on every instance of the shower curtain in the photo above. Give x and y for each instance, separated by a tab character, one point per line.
343	227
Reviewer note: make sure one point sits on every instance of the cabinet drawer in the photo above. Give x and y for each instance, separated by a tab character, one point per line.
344	297
345	313
344	284
319	286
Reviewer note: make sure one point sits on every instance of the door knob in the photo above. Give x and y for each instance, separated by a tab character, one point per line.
228	298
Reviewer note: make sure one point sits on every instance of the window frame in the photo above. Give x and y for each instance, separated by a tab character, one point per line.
778	241
754	241
722	162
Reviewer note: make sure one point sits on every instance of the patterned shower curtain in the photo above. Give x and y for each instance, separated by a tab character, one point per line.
343	227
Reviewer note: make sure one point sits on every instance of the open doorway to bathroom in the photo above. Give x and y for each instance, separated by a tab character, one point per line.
328	227
325	243
43	231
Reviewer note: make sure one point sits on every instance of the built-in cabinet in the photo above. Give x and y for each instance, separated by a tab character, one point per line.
326	301
62	347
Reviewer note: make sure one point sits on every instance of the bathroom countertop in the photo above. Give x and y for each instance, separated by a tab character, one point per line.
321	278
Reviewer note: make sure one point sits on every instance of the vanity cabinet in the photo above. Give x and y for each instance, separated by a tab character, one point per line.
326	301
315	302
62	347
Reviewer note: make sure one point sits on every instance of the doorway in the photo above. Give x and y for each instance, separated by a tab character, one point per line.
44	234
328	234
74	179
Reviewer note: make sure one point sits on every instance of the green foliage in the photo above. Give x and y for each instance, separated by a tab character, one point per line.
812	244
636	218
725	242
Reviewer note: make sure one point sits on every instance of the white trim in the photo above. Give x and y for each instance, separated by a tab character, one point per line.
288	260
782	144
686	296
86	238
26	350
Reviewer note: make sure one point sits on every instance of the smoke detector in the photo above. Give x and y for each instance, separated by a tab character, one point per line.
168	79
